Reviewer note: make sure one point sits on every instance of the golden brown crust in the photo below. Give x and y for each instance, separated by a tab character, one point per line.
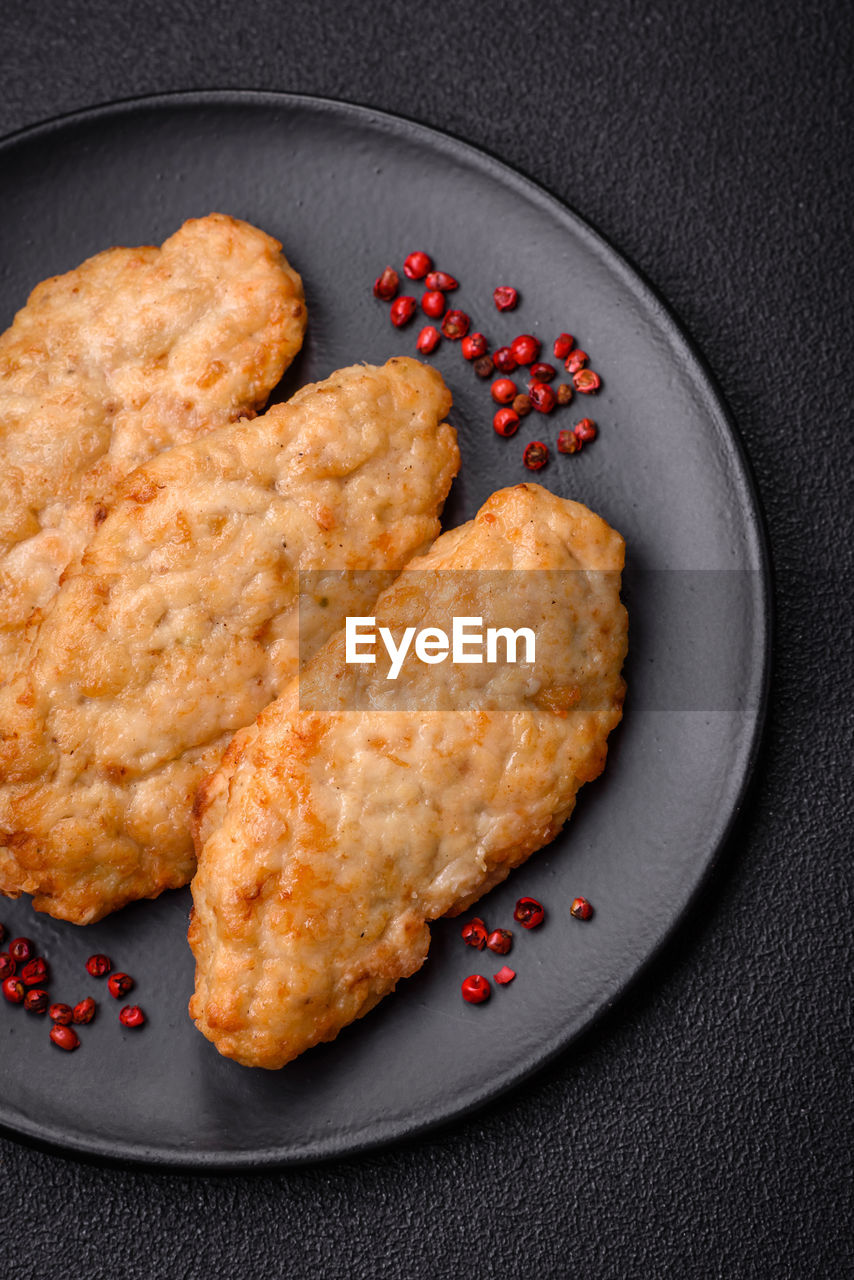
181	623
329	838
134	351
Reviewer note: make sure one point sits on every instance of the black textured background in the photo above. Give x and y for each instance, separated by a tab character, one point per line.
704	1127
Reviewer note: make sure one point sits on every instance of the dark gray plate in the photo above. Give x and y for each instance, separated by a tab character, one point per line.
348	190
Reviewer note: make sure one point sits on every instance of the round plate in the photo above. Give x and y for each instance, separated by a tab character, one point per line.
348	190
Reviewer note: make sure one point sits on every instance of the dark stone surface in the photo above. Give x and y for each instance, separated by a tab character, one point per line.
704	1128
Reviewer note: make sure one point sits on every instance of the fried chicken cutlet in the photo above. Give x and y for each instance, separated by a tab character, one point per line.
181	623
338	824
132	352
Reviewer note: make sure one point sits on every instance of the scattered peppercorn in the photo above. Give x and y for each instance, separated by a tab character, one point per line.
476	989
13	990
2	933
568	442
64	1038
21	950
455	324
441	280
473	346
386	285
536	455
132	1016
506	422
529	913
402	311
417	265
504	359
61	1014
98	965
500	941
505	297
581	909
586	381
84	1011
433	304
35	972
542	397
428	339
525	348
504	390
473	934
36	1001
119	984
7	966
504	975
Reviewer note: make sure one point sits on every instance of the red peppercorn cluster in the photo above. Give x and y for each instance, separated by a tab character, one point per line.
24	975
530	914
522	352
476	988
475	934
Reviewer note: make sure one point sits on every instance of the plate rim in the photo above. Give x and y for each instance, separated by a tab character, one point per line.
134	1157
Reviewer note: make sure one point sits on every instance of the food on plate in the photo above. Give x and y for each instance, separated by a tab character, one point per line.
352	811
182	621
132	352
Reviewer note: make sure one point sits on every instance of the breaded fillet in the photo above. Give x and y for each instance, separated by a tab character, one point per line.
134	351
181	623
331	836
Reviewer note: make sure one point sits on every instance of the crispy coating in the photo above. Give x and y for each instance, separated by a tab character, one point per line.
330	837
181	623
134	351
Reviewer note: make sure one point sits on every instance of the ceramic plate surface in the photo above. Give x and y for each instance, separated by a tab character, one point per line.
348	190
